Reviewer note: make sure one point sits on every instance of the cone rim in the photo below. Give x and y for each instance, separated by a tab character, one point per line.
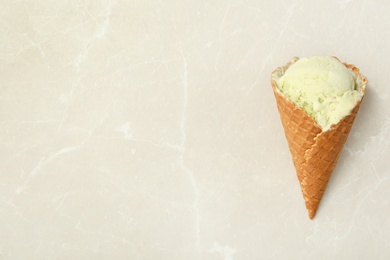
361	82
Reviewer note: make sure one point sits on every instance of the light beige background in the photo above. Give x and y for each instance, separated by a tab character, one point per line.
148	130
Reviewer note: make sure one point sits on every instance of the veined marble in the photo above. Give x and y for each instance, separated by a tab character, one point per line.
148	130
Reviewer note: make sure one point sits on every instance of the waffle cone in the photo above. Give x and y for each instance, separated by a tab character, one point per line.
314	152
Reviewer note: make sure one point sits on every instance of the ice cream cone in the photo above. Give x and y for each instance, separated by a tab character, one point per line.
314	152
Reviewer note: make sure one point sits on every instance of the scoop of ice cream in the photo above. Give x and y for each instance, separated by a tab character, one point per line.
323	87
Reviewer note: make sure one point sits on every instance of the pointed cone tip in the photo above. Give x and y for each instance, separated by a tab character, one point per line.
312	214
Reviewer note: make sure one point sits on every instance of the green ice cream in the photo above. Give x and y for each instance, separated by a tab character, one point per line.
323	87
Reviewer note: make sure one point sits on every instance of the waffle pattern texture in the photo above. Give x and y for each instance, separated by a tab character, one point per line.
314	152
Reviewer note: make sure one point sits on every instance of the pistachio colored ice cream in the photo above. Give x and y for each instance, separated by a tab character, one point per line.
323	87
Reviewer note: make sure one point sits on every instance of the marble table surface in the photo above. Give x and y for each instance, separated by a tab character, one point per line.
148	130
